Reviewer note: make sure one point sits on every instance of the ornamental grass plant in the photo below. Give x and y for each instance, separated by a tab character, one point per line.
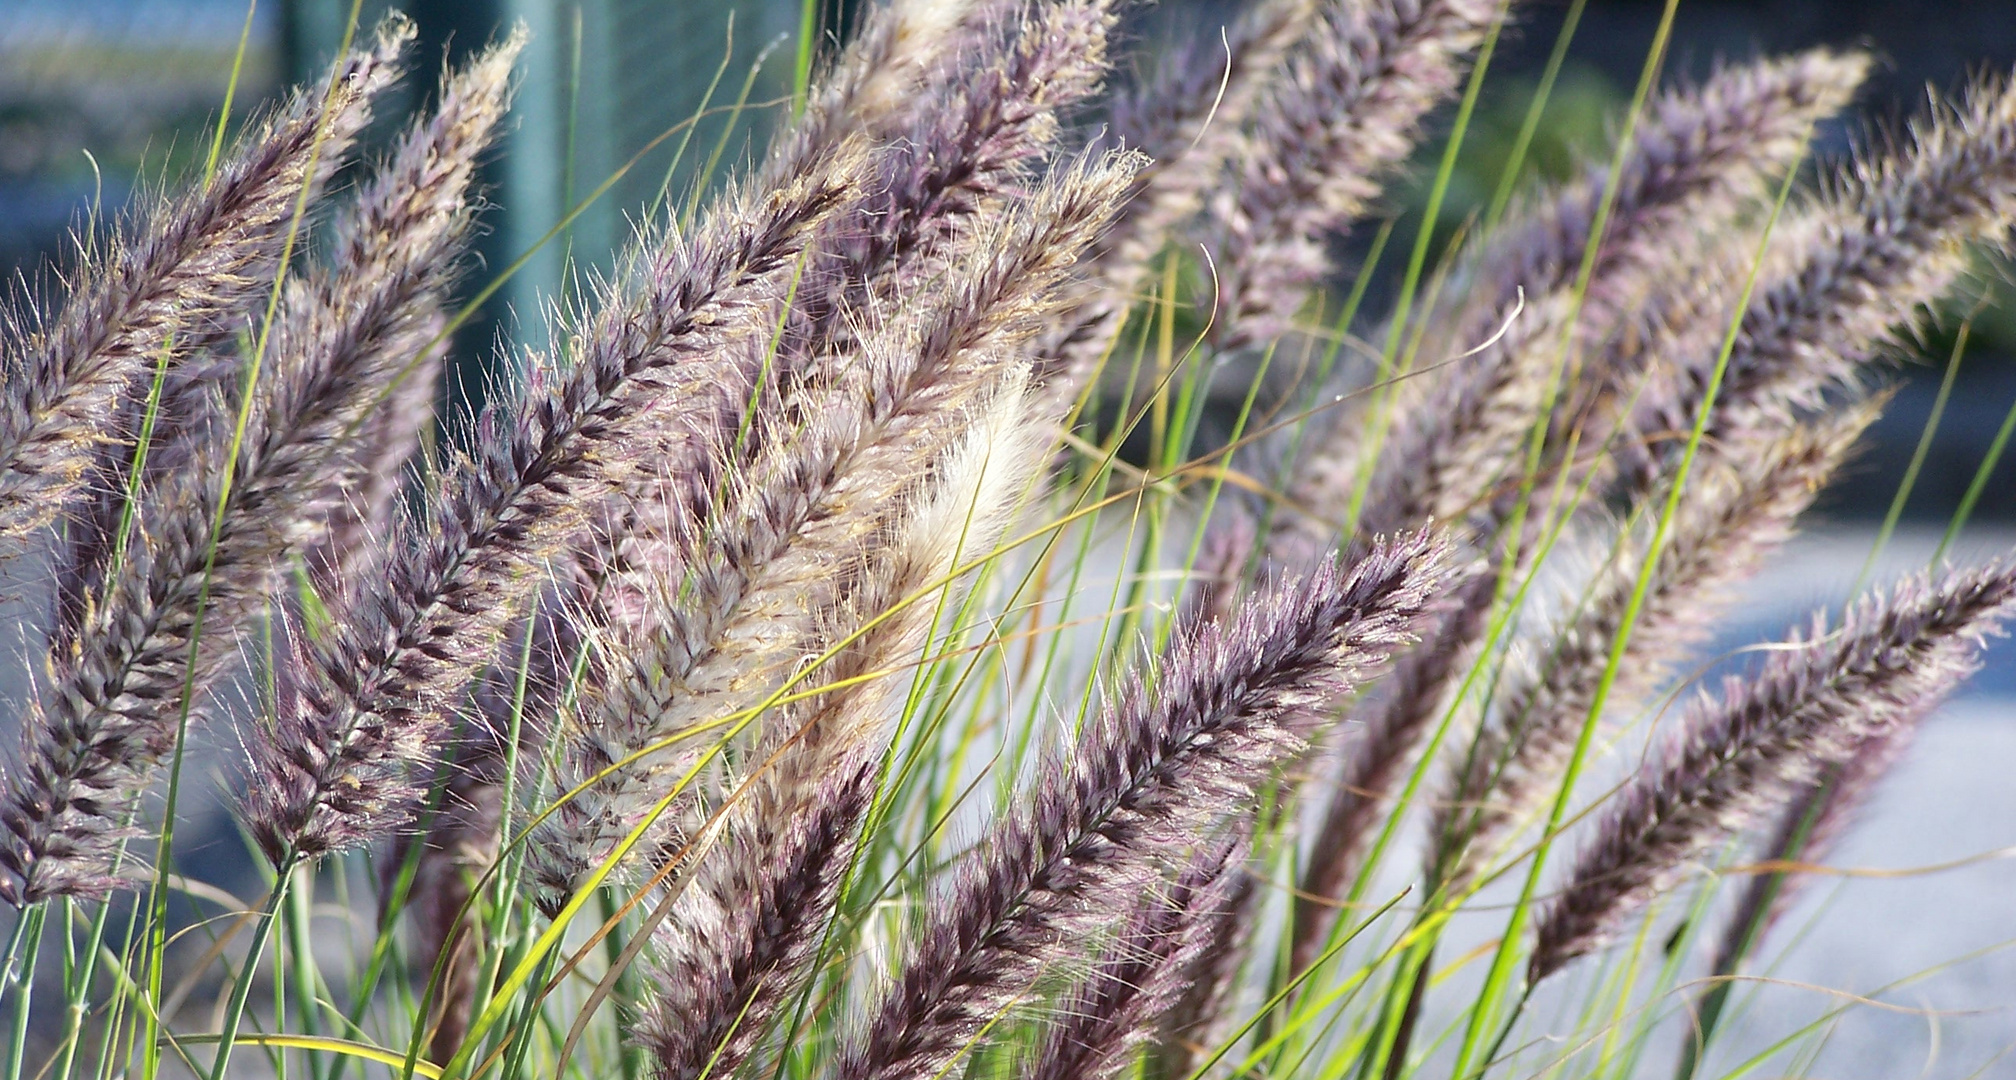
787	676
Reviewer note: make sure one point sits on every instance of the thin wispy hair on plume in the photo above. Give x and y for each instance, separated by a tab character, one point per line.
1144	975
1741	513
1344	112
877	82
355	382
935	180
1810	705
872	624
332	772
757	586
259	515
958	511
979	146
1226	708
1698	158
1888	236
184	279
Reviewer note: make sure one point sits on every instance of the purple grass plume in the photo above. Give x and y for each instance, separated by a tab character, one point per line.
1699	159
1854	272
712	1008
336	768
795	550
716	610
1189	119
186	278
1226	708
982	144
358	346
129	605
843	723
1808	707
1740	514
1147	970
1344	112
789	826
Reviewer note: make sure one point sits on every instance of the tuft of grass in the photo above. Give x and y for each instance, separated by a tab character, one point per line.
955	597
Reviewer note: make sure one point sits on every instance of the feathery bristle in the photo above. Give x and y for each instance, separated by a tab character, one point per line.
880	81
1345	111
1146	972
1228	707
1699	158
1886	239
938	170
1445	457
179	285
649	376
1810	705
922	220
801	527
716	999
311	392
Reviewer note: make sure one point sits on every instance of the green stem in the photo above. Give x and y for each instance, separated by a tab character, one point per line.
301	943
1505	1032
22	946
626	990
1981	474
1508	179
1417	261
1918	455
241	990
521	1033
801	72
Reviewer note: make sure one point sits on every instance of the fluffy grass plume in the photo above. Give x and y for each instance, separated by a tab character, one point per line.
935	608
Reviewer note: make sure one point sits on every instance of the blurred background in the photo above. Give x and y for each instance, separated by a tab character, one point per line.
102	101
